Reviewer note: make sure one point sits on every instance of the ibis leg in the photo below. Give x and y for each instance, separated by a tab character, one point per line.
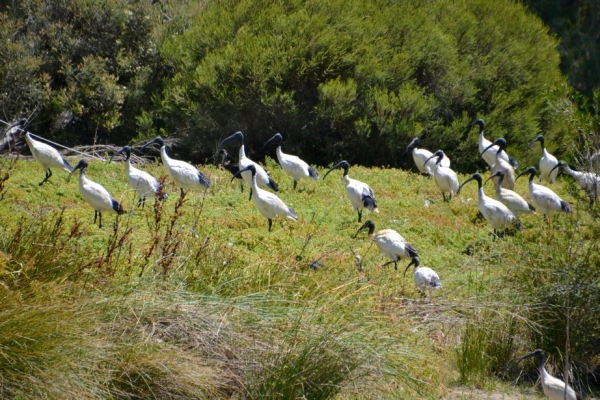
390	262
250	198
181	192
241	187
295	183
359	214
139	202
444	196
95	216
48	175
270	224
143	202
100	218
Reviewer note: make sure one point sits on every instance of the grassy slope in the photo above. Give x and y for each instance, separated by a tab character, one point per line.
231	272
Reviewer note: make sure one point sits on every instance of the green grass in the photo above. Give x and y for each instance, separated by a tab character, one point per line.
199	300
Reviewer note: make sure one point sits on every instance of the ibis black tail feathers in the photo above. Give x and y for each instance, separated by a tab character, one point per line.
513	162
273	185
67	165
369	203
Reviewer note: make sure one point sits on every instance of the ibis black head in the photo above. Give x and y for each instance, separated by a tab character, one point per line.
439	154
82	165
501	143
540	139
238	136
342	164
415	261
499	174
560	164
277	139
158	141
369	224
539	353
250	168
479	122
475	177
126	150
412	145
531	171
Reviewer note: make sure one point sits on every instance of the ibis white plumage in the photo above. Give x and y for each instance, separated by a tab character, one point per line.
490	158
46	155
445	178
509	198
231	167
292	165
262	178
494	212
268	204
588	181
142	182
420	156
554	388
501	164
185	175
426	279
543	198
95	194
360	194
390	244
547	162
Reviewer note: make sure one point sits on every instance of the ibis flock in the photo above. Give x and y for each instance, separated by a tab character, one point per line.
500	212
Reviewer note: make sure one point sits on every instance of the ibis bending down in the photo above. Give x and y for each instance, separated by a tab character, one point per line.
231	167
510	199
553	388
426	279
268	204
262	178
547	163
445	178
390	244
421	156
142	182
292	165
359	193
494	212
95	194
502	165
46	155
545	199
185	175
587	181
490	158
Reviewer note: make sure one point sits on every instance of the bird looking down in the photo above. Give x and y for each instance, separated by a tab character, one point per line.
426	279
553	388
588	181
390	243
231	167
292	165
510	199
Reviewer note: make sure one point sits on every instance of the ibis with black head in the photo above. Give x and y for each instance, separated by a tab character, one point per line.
509	198
390	243
545	199
490	158
587	181
426	279
502	165
292	165
421	157
547	163
445	178
553	388
231	167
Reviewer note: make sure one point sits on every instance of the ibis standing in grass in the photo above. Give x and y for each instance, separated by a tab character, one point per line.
501	164
426	279
445	178
490	158
545	199
268	204
420	156
46	155
360	194
510	199
142	182
231	167
263	180
390	244
185	175
292	165
95	194
494	212
587	181
553	388
547	162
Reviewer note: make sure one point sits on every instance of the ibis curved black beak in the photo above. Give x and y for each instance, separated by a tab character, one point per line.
540	139
411	145
82	164
248	168
236	136
529	171
278	139
414	261
560	164
426	161
369	224
498	173
342	164
463	184
158	140
126	150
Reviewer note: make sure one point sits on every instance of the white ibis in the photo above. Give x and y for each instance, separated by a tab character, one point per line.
360	194
553	388
426	279
390	244
547	162
510	199
142	182
231	167
545	199
185	175
494	212
262	178
292	165
268	204
587	181
46	155
95	194
445	178
420	156
490	158
502	165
